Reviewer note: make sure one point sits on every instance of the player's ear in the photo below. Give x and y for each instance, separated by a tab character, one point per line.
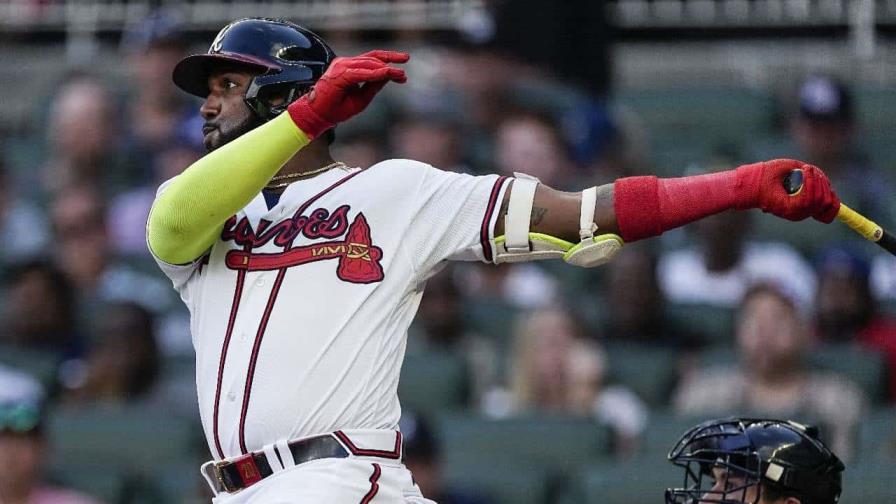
790	500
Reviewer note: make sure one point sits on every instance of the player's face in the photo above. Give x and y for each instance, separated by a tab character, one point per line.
729	487
225	112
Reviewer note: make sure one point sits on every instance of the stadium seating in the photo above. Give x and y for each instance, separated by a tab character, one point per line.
109	483
433	382
664	428
491	317
876	108
715	324
561	444
869	483
649	371
866	368
41	365
877	437
640	480
889	307
137	441
688	125
519	484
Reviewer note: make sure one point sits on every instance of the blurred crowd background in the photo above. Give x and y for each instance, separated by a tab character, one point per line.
528	383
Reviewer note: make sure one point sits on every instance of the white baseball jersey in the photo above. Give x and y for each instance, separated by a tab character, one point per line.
299	314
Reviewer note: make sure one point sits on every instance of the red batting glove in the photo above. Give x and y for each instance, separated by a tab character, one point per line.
648	206
345	89
760	185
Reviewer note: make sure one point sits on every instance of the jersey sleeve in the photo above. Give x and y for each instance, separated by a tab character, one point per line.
179	274
455	217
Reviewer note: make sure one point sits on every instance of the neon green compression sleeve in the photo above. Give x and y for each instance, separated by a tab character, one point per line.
186	218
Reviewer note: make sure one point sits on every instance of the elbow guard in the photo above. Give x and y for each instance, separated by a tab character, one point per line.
519	244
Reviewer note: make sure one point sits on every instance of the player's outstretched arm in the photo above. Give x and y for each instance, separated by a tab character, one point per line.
635	208
187	217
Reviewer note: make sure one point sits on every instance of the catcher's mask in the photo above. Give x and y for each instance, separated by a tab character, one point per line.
288	59
765	453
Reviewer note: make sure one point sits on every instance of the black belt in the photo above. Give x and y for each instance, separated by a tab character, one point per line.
253	467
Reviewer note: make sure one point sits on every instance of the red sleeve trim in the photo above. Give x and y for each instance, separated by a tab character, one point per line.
493	203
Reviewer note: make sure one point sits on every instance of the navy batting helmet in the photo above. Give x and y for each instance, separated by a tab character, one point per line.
784	456
287	57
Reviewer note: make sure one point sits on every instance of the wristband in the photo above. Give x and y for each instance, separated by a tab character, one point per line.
307	120
648	206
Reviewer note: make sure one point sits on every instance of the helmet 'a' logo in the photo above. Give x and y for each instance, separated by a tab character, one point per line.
219	40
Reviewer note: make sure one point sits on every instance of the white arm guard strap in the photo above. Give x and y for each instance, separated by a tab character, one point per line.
519	244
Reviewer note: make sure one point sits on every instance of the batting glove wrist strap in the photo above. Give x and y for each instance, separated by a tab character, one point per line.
307	119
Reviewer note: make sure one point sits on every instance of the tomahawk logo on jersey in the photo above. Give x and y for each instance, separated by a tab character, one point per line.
359	259
300	315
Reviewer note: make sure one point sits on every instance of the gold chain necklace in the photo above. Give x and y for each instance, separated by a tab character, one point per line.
291	177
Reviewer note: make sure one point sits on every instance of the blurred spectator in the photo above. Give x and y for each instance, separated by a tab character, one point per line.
441	313
431	139
514	286
422	456
129	211
883	277
359	148
824	129
85	254
483	78
123	362
39	312
23	455
445	327
773	340
635	304
558	36
846	311
724	261
555	370
531	143
155	111
16	386
84	145
23	228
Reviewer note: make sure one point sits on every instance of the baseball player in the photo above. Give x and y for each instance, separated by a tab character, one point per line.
755	461
302	274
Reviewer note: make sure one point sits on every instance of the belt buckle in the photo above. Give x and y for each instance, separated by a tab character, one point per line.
218	467
246	469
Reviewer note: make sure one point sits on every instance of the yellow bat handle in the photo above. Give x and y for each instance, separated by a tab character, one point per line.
860	224
793	183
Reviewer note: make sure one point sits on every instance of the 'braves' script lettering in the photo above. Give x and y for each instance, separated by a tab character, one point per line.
320	223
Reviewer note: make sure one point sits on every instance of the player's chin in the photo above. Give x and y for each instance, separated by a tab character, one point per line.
211	140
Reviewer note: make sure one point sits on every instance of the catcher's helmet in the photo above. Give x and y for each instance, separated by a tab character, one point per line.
782	455
287	57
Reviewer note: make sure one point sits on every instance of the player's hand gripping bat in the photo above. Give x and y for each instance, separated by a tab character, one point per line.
793	182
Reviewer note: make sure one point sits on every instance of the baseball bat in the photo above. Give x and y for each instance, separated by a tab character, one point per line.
866	227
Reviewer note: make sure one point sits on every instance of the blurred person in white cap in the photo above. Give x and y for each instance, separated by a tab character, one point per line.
23	446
